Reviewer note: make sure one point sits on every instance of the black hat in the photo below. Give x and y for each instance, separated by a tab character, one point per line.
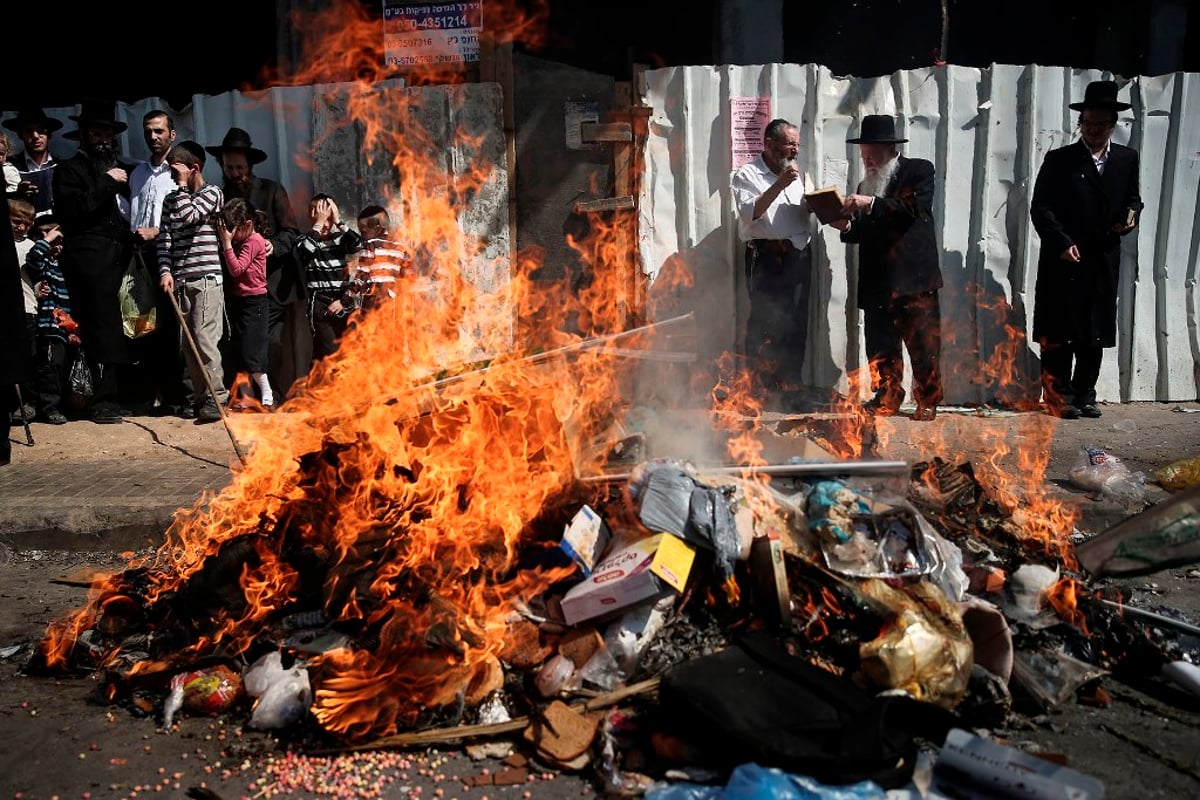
877	129
1100	94
96	112
238	139
34	116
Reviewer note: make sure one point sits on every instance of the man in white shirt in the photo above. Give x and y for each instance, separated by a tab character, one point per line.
161	375
773	221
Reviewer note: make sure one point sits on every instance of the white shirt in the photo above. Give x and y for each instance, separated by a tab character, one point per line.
1101	158
786	218
148	185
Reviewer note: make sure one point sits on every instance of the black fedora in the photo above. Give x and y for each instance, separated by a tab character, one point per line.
877	129
96	112
238	139
1100	94
32	116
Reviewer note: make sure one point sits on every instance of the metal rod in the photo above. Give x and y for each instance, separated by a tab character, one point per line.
1165	621
212	392
783	470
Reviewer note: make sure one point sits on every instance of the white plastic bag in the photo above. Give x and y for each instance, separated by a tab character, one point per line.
1098	471
282	696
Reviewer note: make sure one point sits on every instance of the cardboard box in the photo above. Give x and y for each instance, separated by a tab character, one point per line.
585	538
768	575
645	569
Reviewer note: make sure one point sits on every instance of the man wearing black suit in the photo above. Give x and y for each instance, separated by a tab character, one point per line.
899	275
1084	200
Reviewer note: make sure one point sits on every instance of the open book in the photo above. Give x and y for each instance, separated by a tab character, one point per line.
827	204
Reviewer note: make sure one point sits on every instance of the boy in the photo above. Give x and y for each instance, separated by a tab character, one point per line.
189	265
53	305
323	253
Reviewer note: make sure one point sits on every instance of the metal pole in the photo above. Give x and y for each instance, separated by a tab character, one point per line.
212	392
1150	616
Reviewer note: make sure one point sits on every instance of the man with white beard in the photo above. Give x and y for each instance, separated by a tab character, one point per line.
891	219
774	222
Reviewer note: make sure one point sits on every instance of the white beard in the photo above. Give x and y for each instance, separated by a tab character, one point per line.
876	183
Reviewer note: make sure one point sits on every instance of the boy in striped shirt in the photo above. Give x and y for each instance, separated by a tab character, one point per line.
189	265
323	253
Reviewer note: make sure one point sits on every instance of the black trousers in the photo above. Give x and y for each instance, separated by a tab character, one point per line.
50	361
1061	386
779	281
913	321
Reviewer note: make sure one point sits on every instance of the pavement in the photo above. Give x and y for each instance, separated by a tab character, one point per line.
85	486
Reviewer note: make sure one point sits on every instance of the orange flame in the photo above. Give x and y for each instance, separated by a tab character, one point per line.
1063	598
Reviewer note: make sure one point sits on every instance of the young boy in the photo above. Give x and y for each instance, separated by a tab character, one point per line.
323	253
189	265
245	252
382	261
52	341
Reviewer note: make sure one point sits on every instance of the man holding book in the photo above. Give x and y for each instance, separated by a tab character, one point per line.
899	275
1085	199
773	222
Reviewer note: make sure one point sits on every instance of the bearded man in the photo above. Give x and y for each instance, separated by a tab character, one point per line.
891	219
97	247
285	281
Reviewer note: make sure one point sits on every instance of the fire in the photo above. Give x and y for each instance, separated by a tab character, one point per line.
404	480
1063	598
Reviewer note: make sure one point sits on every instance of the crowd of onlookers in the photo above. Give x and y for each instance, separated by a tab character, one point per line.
227	267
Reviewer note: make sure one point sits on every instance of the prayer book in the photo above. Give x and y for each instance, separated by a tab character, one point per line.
827	204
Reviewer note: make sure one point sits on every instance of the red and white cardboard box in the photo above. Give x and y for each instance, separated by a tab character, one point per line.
646	568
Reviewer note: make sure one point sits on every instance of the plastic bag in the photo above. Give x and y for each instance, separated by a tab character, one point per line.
80	380
1098	471
139	315
1179	475
282	696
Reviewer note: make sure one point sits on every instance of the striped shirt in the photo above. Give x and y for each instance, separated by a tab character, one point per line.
43	266
381	263
188	247
324	260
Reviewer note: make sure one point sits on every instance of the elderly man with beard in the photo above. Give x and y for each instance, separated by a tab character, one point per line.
86	191
285	279
891	219
774	222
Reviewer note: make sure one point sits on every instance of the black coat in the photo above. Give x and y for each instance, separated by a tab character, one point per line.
898	249
1074	204
96	250
14	348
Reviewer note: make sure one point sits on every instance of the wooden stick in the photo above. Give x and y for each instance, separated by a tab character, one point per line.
441	735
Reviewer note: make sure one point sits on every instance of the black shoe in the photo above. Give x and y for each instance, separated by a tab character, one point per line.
924	413
187	412
883	406
25	412
106	416
208	413
1089	411
54	417
1067	411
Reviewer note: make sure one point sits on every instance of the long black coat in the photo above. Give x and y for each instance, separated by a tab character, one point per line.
14	349
1075	204
898	250
285	279
96	250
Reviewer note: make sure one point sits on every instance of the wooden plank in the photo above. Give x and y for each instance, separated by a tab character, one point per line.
605	204
606	132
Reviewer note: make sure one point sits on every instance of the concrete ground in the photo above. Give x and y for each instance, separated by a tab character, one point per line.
84	492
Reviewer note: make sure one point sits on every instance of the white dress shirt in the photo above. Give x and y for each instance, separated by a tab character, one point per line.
148	185
786	218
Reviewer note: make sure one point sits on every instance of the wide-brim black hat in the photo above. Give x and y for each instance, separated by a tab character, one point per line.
1100	94
96	112
34	116
877	129
238	139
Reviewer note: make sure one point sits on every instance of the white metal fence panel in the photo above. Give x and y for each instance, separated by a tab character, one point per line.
986	132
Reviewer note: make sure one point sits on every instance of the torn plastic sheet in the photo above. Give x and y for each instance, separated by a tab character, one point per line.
1051	676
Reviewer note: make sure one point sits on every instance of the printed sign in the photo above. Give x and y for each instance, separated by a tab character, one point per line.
427	34
748	117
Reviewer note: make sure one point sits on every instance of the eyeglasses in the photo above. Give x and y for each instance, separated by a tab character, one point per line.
1092	123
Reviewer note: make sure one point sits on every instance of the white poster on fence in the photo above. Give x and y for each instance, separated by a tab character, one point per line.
431	34
748	117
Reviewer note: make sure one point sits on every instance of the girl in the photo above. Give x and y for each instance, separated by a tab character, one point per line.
245	253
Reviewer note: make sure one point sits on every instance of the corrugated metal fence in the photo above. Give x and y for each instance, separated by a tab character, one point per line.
986	131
